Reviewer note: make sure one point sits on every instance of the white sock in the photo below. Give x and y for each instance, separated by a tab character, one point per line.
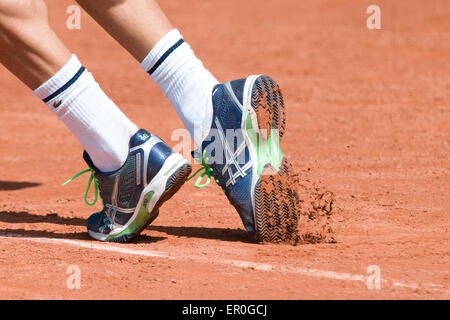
185	81
77	99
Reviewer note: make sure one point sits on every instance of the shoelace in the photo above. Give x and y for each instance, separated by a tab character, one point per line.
92	177
205	167
206	172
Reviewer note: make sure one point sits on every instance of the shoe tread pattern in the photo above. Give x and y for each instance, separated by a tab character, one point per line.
268	102
277	204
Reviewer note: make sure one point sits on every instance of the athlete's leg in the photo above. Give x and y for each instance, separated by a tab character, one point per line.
142	28
136	172
29	48
32	51
136	24
252	109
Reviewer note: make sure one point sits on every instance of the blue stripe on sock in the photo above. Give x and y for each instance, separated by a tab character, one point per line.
165	55
66	86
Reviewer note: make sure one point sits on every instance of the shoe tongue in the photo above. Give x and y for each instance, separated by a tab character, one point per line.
139	138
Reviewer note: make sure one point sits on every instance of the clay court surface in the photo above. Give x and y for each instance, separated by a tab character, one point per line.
368	119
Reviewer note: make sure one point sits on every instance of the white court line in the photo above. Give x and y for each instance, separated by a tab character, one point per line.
237	263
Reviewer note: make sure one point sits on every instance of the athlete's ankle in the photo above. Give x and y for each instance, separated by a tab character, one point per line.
184	80
76	98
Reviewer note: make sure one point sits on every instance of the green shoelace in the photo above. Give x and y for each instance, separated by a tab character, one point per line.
91	178
206	172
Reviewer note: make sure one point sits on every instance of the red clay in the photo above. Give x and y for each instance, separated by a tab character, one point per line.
367	118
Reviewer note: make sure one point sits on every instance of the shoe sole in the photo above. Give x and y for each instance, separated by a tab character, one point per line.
163	186
274	194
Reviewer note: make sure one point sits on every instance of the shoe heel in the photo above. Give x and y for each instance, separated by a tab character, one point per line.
178	175
174	183
267	101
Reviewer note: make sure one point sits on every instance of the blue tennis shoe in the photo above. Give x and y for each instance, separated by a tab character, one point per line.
242	153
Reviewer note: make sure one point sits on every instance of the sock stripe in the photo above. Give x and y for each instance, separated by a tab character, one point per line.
66	86
165	55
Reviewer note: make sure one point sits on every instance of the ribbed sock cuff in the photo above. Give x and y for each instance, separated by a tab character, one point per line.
161	51
60	79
